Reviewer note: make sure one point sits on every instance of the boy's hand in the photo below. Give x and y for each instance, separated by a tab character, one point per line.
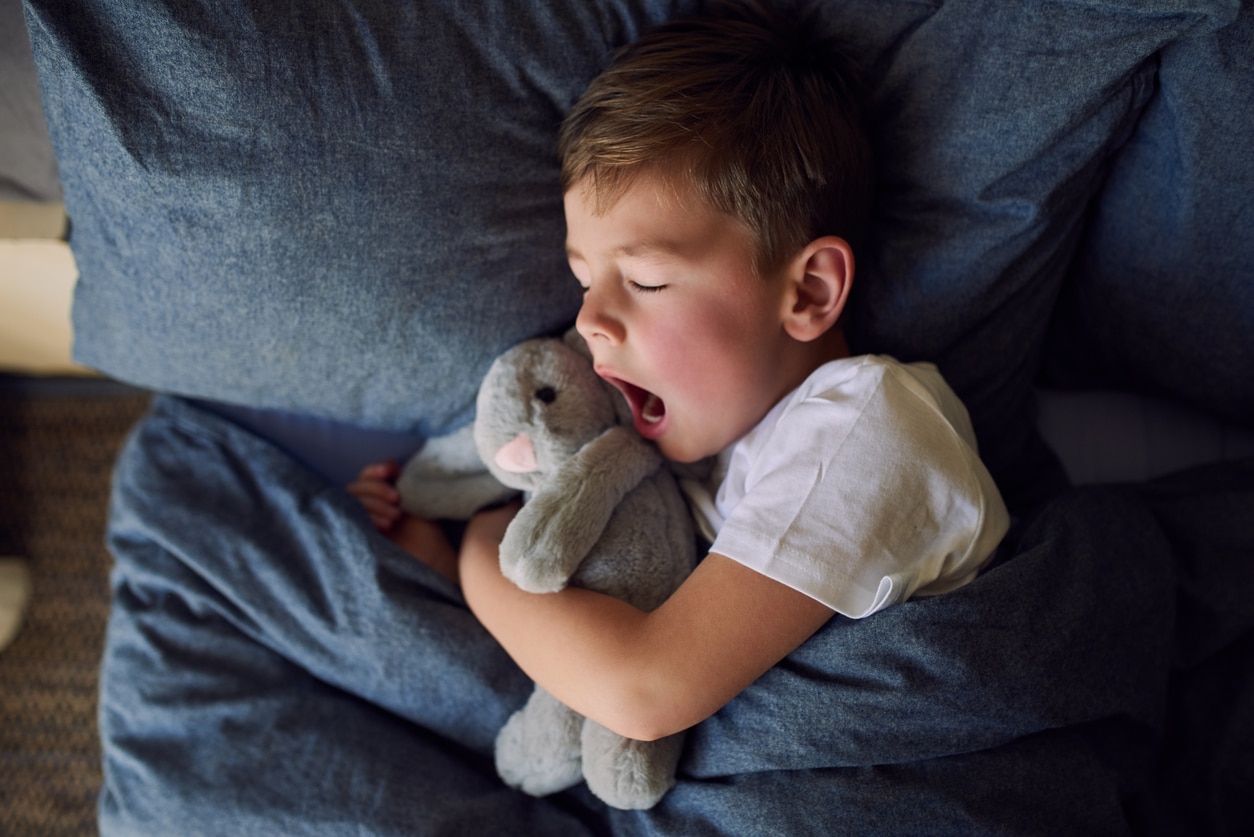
375	487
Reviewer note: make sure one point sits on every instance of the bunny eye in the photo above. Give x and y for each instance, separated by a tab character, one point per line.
546	395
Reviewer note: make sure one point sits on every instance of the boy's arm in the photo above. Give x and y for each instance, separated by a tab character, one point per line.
375	488
643	675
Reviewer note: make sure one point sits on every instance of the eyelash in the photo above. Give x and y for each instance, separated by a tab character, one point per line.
635	287
645	289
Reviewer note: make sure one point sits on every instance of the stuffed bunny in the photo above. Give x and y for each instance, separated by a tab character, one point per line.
604	512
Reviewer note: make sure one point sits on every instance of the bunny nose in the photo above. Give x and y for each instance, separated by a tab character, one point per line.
517	456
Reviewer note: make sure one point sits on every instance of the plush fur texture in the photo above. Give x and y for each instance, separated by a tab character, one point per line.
603	511
447	480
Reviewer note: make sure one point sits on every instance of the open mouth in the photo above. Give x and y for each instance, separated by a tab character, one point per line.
648	411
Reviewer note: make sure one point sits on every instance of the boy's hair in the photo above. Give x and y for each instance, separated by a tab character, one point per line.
756	110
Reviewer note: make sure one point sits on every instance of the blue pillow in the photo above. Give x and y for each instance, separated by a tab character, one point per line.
338	209
348	210
1162	296
995	123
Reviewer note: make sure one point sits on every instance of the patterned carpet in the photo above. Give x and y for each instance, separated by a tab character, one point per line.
57	448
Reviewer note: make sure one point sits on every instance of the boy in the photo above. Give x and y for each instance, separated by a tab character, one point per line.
714	177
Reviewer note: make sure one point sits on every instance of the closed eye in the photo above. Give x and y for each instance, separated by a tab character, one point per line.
645	289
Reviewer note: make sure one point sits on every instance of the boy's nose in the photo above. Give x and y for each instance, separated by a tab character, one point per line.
595	322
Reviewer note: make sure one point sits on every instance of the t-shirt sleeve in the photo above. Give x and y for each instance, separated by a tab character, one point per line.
863	498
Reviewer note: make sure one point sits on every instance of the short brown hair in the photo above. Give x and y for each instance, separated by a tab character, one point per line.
759	111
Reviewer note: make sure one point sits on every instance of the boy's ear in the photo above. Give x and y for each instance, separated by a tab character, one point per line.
820	277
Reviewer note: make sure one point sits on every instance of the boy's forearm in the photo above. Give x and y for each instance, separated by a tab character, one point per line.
578	644
643	675
426	541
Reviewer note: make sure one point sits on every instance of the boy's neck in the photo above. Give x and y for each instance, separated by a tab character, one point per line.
838	346
810	355
831	346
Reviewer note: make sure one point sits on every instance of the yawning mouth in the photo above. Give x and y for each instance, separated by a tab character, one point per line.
648	411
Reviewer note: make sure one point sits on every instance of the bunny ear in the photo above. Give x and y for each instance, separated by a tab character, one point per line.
517	456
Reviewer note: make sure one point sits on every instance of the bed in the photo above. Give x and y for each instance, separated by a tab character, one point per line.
310	229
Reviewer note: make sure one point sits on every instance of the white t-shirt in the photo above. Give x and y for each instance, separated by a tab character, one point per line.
861	488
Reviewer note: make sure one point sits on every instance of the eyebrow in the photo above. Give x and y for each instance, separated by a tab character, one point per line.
636	249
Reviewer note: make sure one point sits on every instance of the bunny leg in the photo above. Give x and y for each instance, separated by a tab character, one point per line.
625	773
537	751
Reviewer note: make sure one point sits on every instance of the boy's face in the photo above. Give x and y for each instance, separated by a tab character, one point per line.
676	317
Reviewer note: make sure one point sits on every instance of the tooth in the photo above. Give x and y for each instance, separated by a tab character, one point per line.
653	410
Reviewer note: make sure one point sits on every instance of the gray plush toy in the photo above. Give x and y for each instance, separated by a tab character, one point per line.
603	512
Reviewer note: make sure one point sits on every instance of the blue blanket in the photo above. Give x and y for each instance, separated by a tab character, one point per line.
275	666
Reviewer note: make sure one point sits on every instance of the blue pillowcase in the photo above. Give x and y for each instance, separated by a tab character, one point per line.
995	125
1162	296
348	210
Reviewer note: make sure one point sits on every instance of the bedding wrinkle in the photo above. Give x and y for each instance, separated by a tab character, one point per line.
1047	598
344	571
367	41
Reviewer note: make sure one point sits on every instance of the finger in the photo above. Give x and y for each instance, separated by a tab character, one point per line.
375	506
386	471
374	489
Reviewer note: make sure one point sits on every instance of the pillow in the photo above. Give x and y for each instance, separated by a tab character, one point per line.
1162	299
349	211
338	209
994	125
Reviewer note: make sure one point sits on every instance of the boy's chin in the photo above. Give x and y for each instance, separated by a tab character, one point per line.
681	454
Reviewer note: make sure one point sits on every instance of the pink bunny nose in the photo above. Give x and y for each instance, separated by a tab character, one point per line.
518	456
